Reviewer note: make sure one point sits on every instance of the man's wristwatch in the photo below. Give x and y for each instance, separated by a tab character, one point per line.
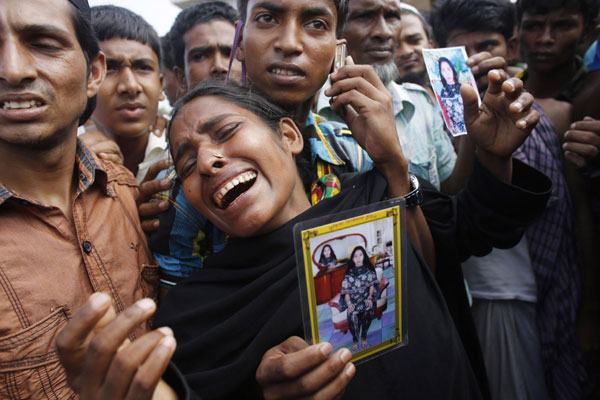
414	197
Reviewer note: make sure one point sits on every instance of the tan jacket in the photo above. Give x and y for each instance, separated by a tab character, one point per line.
50	266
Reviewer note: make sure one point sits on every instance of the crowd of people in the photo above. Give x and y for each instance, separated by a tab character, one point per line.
171	268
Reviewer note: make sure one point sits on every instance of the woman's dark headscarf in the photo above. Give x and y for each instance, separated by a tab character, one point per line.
366	259
442	60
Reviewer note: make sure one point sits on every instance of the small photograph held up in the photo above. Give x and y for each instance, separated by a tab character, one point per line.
447	69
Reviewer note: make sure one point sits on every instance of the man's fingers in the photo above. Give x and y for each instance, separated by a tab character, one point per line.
513	90
496	78
152	208
484	66
582	150
470	103
75	333
127	362
156	168
588	124
105	344
149	190
148	375
477	58
150	226
575	158
528	122
286	367
356	71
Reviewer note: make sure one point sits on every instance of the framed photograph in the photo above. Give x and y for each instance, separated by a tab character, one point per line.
447	69
351	279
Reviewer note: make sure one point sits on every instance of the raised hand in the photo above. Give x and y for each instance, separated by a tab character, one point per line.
502	123
99	360
367	108
293	370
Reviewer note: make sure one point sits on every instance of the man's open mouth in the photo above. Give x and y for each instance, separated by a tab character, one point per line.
20	105
234	188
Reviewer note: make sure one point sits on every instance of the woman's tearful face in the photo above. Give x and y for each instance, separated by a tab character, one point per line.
236	170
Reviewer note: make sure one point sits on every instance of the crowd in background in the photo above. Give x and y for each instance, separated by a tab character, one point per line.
105	203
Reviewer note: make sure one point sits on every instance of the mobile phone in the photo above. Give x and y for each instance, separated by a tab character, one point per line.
340	56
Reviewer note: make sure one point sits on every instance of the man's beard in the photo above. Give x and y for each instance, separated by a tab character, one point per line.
386	72
418	77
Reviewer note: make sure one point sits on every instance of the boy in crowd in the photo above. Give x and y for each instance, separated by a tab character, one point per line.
520	286
128	99
68	223
549	33
201	38
415	36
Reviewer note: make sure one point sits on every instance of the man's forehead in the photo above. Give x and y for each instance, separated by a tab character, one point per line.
126	49
51	13
211	32
412	25
296	4
374	4
561	14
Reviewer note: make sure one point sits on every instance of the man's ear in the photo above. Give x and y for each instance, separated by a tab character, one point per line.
96	75
161	78
291	136
180	75
240	55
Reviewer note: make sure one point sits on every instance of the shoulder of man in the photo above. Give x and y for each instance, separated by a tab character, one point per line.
414	91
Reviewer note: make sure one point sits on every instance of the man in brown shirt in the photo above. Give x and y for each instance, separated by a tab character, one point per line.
68	220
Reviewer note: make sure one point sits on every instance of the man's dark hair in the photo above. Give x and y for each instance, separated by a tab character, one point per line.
194	15
89	44
166	47
589	8
341	7
112	22
472	16
270	114
406	9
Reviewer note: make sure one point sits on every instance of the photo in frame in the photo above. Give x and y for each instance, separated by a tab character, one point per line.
351	279
447	70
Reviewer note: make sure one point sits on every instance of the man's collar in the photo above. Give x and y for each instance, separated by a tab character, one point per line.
88	169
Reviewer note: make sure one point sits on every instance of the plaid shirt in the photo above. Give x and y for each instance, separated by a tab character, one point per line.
556	264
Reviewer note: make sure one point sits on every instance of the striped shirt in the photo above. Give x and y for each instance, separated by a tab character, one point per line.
556	264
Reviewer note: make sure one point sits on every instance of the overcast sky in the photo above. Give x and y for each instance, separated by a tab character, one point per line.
159	13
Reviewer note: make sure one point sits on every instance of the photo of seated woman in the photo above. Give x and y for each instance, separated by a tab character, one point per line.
359	289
